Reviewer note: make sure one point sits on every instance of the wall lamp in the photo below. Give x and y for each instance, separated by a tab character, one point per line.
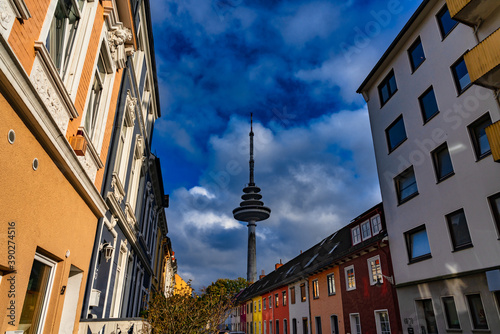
107	249
390	279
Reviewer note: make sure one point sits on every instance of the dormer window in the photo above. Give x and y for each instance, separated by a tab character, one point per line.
356	235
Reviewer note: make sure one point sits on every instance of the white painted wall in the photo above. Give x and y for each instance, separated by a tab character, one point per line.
473	181
300	309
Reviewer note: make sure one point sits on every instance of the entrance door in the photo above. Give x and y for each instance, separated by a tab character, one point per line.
427	317
305	327
334	324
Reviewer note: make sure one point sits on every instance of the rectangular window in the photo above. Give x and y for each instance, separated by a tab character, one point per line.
376	224
38	294
356	235
294	326
459	230
417	244
270	327
259	305
270	303
62	32
355	324
387	88
477	312
264	302
395	133
406	185
331	284
460	75
318	325
285	326
416	54
450	311
292	295
446	23
303	292
425	311
375	270
495	209
276	300
382	322
350	278
478	136
428	104
284	298
366	231
315	289
277	327
442	162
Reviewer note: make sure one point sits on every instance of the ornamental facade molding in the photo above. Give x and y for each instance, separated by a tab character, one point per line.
49	96
131	104
116	41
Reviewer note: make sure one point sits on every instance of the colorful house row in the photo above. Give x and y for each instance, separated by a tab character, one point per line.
82	200
344	284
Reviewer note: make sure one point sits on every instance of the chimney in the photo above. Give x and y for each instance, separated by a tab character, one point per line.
262	275
278	265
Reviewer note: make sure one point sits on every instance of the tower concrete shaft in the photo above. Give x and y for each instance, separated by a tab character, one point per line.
252	253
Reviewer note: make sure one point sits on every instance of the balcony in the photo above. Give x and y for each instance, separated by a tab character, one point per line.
471	12
483	62
493	134
112	326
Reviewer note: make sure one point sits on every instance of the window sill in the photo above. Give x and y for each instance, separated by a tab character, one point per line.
332	294
420	258
481	331
416	68
395	147
401	202
458	249
431	117
464	89
454	330
445	177
484	155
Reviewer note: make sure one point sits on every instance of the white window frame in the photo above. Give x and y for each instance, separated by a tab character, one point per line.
373	280
333	292
50	282
470	312
346	270
353	326
135	173
356	235
377	321
315	288
105	99
121	269
376	221
369	235
445	315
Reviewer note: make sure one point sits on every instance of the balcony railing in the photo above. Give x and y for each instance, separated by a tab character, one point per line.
113	326
493	134
471	12
483	62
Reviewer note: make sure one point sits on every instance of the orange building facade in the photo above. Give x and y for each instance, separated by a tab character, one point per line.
60	71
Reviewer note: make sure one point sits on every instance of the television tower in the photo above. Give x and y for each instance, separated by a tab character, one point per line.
251	210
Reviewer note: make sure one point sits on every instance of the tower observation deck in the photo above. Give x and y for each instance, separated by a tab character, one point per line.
251	210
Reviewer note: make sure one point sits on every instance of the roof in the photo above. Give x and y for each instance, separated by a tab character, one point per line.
394	43
321	256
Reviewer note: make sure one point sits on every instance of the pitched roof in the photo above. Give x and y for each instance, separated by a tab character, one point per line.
321	256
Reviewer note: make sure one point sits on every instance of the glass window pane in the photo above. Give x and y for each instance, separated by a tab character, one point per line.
387	88
442	162
396	133
428	104
406	185
416	54
461	74
446	23
458	229
36	295
477	312
419	244
450	311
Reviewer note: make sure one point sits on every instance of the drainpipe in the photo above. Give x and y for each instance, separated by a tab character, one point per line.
476	29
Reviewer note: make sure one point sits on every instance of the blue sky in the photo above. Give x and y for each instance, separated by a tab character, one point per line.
296	66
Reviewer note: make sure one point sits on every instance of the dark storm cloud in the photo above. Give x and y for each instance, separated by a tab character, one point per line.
296	66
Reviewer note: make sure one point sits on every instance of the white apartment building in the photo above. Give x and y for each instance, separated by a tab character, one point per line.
430	98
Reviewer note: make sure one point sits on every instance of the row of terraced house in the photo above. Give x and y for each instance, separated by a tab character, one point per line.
426	260
84	231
